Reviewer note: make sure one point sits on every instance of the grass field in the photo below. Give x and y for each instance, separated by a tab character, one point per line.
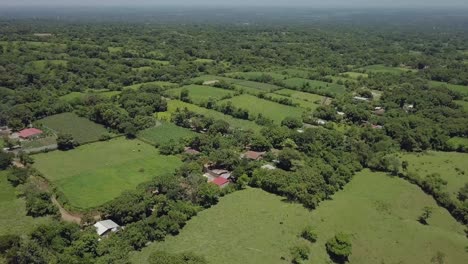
164	132
444	163
379	68
159	83
96	173
249	84
81	95
272	110
354	75
458	141
298	83
310	97
380	213
82	129
172	106
457	88
301	103
13	219
203	61
200	93
42	64
244	227
254	75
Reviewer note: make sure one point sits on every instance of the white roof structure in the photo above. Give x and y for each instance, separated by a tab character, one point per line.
268	167
104	226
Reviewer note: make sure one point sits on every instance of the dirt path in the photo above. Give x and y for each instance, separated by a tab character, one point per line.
66	216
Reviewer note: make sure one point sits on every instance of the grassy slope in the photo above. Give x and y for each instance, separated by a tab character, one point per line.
323	86
458	88
380	213
386	69
96	173
164	133
13	219
200	93
301	95
269	109
82	129
160	83
299	102
243	228
443	163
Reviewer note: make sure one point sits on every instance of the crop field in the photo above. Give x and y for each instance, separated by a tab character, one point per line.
310	97
37	143
200	93
164	132
13	219
272	110
354	75
457	88
301	103
247	90
82	129
172	106
94	174
249	84
254	75
159	83
301	73
452	166
81	95
298	83
380	213
378	68
249	226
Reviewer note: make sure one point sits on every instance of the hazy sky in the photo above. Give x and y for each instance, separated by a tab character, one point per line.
316	3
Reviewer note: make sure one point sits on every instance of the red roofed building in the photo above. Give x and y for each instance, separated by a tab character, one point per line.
221	182
29	133
253	155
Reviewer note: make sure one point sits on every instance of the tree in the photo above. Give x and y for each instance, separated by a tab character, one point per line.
243	181
339	247
309	234
259	143
292	122
18	176
404	165
287	158
299	253
5	160
65	142
208	194
463	193
427	212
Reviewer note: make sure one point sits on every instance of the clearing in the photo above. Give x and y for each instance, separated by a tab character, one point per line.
457	88
200	94
313	85
96	173
163	132
310	97
158	83
380	68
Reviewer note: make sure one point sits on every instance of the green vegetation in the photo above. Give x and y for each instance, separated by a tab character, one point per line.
451	166
102	171
199	94
314	98
313	85
157	83
40	142
261	226
13	219
272	110
254	75
457	88
354	75
386	69
295	101
82	130
463	104
164	132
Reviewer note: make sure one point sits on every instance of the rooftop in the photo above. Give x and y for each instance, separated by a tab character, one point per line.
220	181
104	226
254	155
28	132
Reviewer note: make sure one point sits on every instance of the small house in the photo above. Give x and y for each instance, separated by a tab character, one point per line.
268	167
104	227
221	182
30	133
254	155
191	151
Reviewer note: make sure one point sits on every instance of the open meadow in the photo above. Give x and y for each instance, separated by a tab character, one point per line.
164	132
96	173
313	85
82	129
276	112
162	84
457	88
379	68
310	97
452	166
201	93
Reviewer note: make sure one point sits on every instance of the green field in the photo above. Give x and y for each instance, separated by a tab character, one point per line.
42	64
444	163
299	102
249	84
40	142
172	106
380	213
200	93
249	226
457	88
163	133
272	110
13	219
298	83
310	97
96	173
456	142
203	61
254	75
81	95
159	83
463	104
354	75
82	129
379	68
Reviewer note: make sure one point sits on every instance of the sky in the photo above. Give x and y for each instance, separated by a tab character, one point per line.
311	3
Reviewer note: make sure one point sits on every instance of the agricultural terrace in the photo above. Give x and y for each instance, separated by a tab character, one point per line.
457	88
248	226
248	90
158	83
379	68
164	132
276	112
380	213
199	94
82	129
310	97
452	167
313	85
301	103
96	173
173	105
13	219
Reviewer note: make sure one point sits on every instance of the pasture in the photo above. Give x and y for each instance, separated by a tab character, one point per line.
13	219
310	97
82	129
243	83
157	83
276	112
313	85
380	213
452	166
354	75
94	174
173	105
203	61
249	226
254	75
164	132
457	88
73	96
379	68
301	103
199	94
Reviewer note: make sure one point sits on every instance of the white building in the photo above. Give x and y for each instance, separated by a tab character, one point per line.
106	226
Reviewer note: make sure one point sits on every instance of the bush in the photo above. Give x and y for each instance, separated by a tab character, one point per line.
309	234
299	253
339	247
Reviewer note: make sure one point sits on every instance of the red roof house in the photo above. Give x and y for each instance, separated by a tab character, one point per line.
253	155
221	182
29	133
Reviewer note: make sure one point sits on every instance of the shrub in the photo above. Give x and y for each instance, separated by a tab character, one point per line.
339	247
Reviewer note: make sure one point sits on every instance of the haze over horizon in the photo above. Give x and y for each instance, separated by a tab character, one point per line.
240	3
